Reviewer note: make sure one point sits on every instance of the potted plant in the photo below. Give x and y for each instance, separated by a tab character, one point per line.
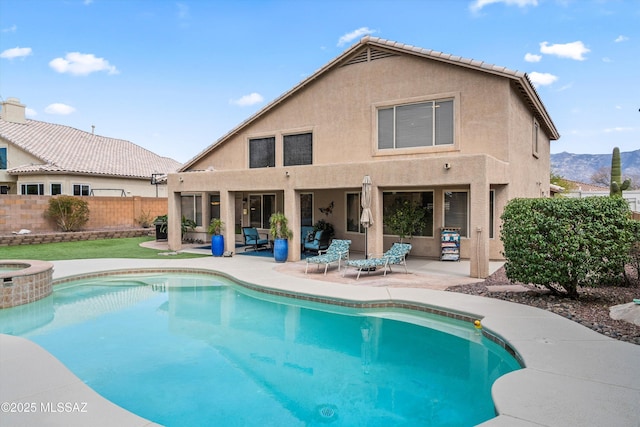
405	219
281	235
216	226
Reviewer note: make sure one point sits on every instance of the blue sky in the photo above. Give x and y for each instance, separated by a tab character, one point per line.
174	76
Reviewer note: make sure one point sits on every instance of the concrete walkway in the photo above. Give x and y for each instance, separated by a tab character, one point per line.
573	375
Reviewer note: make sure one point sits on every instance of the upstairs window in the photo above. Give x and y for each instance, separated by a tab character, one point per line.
262	152
424	124
534	143
3	158
298	149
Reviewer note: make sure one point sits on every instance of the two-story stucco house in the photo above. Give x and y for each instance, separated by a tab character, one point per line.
457	136
49	159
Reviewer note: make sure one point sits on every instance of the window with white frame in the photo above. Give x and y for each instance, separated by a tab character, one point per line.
191	205
56	189
456	211
81	189
354	211
423	199
3	157
424	124
298	149
35	189
261	207
262	152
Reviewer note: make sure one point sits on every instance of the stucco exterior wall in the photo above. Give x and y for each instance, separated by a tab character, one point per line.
492	151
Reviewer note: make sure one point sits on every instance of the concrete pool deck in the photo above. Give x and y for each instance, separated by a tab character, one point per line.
573	375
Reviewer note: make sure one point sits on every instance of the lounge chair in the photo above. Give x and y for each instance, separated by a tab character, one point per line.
396	255
318	242
252	239
337	251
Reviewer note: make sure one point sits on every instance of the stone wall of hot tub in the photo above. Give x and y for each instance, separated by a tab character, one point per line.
23	281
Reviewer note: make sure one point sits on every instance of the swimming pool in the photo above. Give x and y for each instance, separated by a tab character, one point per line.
183	349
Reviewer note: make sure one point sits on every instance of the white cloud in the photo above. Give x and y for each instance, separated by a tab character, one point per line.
618	129
60	109
81	64
621	38
30	112
11	29
574	50
606	59
16	52
542	79
479	4
356	34
247	100
530	57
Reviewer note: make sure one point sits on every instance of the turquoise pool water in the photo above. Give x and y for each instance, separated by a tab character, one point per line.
197	350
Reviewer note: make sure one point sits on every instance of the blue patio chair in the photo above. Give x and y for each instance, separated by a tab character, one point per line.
252	239
319	242
337	251
396	255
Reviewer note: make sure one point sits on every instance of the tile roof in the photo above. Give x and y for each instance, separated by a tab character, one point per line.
63	149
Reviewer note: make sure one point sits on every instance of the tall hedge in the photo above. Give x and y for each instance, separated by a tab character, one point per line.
561	243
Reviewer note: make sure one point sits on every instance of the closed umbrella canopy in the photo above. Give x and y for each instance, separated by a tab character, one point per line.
366	219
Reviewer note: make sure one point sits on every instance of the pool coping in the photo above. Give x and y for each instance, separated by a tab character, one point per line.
572	375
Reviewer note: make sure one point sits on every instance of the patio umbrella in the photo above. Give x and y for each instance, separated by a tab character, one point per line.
366	219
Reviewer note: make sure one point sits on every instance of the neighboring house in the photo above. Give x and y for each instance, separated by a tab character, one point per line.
49	159
580	189
457	136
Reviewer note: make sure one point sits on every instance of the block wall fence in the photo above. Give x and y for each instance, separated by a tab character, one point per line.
28	212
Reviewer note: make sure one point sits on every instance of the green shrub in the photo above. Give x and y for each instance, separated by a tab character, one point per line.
563	243
68	212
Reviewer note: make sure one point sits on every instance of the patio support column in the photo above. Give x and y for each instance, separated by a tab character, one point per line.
292	212
375	237
174	217
227	215
479	228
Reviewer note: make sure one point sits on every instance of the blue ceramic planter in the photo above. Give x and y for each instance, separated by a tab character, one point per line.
217	245
280	250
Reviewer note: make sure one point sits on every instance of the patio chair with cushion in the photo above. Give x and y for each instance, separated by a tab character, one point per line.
319	242
253	240
337	251
396	255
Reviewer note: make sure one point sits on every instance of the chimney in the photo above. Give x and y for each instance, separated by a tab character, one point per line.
13	111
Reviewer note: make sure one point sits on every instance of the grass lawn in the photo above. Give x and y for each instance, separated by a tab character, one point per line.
103	248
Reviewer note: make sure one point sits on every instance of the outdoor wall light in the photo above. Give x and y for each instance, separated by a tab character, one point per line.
286	174
447	166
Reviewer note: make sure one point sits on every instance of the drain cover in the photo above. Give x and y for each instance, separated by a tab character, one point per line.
327	413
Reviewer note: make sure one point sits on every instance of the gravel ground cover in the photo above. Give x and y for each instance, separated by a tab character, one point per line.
591	309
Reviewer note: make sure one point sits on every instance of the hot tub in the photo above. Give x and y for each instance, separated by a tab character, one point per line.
22	282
